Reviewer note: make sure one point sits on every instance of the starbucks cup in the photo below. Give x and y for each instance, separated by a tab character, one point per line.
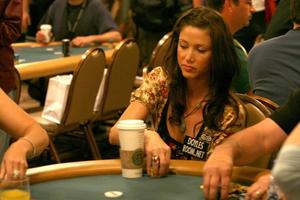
131	136
46	30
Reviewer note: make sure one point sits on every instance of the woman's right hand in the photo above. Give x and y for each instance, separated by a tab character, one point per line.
156	147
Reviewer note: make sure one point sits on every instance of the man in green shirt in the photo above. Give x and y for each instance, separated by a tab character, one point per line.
237	14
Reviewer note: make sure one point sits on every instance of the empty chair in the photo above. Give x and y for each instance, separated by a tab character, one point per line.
159	53
80	101
158	57
119	80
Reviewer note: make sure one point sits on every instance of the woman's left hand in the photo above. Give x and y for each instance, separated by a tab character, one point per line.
156	148
258	190
14	163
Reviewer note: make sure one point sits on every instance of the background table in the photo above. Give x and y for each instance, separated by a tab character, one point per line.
90	179
41	53
37	61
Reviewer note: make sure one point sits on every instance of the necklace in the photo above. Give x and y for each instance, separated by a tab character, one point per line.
71	28
182	126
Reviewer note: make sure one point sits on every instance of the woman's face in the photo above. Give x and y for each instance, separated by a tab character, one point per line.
194	52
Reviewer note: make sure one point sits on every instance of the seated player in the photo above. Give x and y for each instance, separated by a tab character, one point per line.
286	170
246	146
82	21
274	64
189	98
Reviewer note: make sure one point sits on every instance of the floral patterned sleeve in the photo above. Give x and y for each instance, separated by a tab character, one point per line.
153	93
232	122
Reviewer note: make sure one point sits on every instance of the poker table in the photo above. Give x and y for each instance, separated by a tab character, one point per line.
91	179
36	60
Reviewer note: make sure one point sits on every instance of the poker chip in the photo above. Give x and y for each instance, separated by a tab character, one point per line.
21	60
201	187
49	49
113	194
57	53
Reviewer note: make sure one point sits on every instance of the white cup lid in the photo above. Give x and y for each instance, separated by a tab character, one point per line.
131	124
46	26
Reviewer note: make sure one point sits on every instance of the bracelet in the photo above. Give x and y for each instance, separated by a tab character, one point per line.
32	145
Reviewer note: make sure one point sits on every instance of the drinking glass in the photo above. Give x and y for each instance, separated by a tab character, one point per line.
15	189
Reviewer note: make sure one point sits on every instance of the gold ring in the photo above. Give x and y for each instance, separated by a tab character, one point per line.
16	173
258	192
155	159
155	165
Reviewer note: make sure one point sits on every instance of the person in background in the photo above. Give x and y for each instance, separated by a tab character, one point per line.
280	22
197	3
33	11
152	20
10	30
237	14
82	21
274	64
286	171
26	20
189	97
31	139
248	145
264	10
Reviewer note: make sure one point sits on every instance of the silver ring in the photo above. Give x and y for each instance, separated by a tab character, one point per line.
16	173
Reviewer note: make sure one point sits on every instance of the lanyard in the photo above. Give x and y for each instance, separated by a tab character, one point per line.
73	28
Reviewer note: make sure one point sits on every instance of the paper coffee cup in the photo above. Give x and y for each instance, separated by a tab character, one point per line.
131	136
46	30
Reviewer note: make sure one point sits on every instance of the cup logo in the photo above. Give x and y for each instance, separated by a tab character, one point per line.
138	157
132	159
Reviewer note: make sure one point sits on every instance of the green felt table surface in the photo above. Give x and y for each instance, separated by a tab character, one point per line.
34	54
171	187
88	180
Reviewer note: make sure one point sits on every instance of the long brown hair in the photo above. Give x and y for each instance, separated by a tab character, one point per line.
224	66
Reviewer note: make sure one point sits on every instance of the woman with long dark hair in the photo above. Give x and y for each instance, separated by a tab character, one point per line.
188	99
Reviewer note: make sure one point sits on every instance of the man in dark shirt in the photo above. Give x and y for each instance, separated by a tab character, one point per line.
82	21
249	144
275	63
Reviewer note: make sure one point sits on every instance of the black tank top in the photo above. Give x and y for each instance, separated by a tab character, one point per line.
176	147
